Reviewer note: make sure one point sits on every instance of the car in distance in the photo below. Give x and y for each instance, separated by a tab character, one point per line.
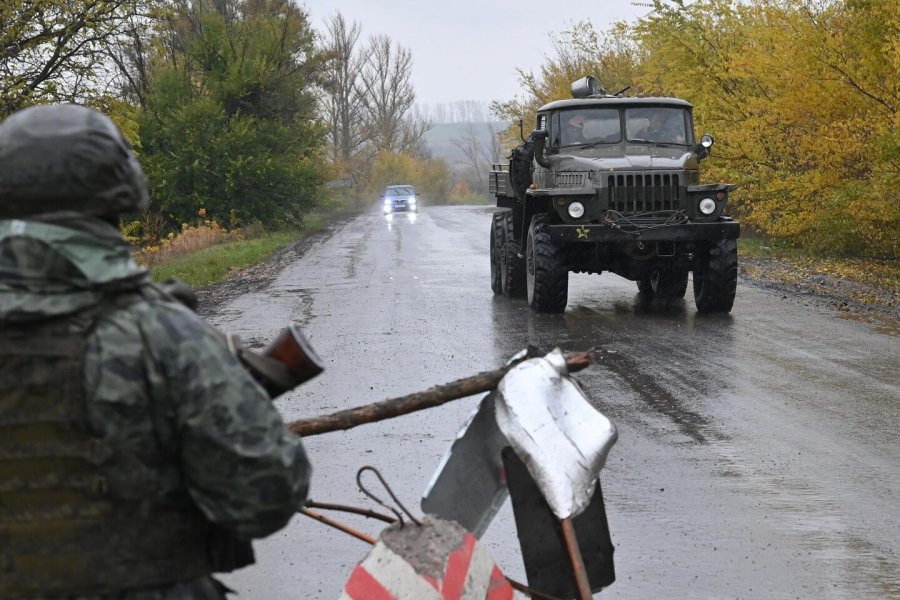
399	198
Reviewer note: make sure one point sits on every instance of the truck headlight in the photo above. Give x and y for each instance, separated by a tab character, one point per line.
707	206
576	210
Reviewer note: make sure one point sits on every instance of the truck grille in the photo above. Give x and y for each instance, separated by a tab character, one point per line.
643	192
570	180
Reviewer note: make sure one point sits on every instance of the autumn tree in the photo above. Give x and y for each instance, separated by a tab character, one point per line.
459	111
480	152
368	104
388	98
57	50
431	177
230	124
342	102
579	52
803	97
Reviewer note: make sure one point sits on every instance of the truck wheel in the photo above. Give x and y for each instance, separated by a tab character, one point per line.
547	277
496	249
715	276
512	266
670	284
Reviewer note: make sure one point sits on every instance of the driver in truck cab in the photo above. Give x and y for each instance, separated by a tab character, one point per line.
573	130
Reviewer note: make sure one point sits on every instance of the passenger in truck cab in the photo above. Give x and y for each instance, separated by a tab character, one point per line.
661	127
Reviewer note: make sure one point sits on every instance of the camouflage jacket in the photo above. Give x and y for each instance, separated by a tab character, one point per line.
213	434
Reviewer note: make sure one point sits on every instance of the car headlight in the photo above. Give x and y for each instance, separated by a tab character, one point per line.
576	210
412	199
707	206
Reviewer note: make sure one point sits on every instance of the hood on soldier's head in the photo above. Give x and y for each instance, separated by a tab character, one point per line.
67	157
57	264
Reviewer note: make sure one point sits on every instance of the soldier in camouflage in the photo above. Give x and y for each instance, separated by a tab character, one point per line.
137	456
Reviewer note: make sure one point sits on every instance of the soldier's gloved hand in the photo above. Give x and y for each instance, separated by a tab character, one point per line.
180	291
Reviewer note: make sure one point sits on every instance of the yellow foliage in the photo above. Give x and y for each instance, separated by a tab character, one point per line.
801	96
431	177
581	51
803	101
191	239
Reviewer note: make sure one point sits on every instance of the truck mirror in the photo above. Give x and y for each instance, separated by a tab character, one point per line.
539	134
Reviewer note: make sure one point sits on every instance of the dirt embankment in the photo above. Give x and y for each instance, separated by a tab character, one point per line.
804	285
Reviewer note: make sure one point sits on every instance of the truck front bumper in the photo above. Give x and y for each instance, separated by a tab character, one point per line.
685	232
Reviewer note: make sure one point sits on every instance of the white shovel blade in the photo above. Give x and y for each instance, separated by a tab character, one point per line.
558	434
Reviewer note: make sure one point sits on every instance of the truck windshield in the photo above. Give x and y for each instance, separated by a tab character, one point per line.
581	126
656	125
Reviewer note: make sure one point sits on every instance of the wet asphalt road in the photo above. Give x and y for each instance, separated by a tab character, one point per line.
758	453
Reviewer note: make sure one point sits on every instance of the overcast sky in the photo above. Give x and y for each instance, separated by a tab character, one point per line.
469	49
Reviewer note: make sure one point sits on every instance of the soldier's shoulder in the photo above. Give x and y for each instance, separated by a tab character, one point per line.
160	323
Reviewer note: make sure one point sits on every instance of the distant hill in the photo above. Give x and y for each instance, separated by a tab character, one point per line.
440	139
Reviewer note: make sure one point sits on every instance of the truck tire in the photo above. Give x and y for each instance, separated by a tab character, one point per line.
715	276
496	250
512	266
670	284
547	277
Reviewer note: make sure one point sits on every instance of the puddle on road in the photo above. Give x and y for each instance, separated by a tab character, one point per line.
356	251
301	312
879	324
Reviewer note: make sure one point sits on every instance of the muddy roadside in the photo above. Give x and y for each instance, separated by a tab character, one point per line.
258	277
803	285
794	283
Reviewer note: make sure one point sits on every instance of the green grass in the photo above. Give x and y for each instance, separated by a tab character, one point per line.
760	248
217	263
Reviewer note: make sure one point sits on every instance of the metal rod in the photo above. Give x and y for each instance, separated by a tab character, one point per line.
339	526
581	577
390	492
350	509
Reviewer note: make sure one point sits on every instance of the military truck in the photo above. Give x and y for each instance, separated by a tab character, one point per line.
611	183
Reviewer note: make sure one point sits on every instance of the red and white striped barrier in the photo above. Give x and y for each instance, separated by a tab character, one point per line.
438	560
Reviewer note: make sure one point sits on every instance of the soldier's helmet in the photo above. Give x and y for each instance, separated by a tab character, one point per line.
67	158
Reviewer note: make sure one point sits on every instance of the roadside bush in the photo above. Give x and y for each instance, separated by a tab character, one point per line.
226	125
461	194
431	177
239	168
191	239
